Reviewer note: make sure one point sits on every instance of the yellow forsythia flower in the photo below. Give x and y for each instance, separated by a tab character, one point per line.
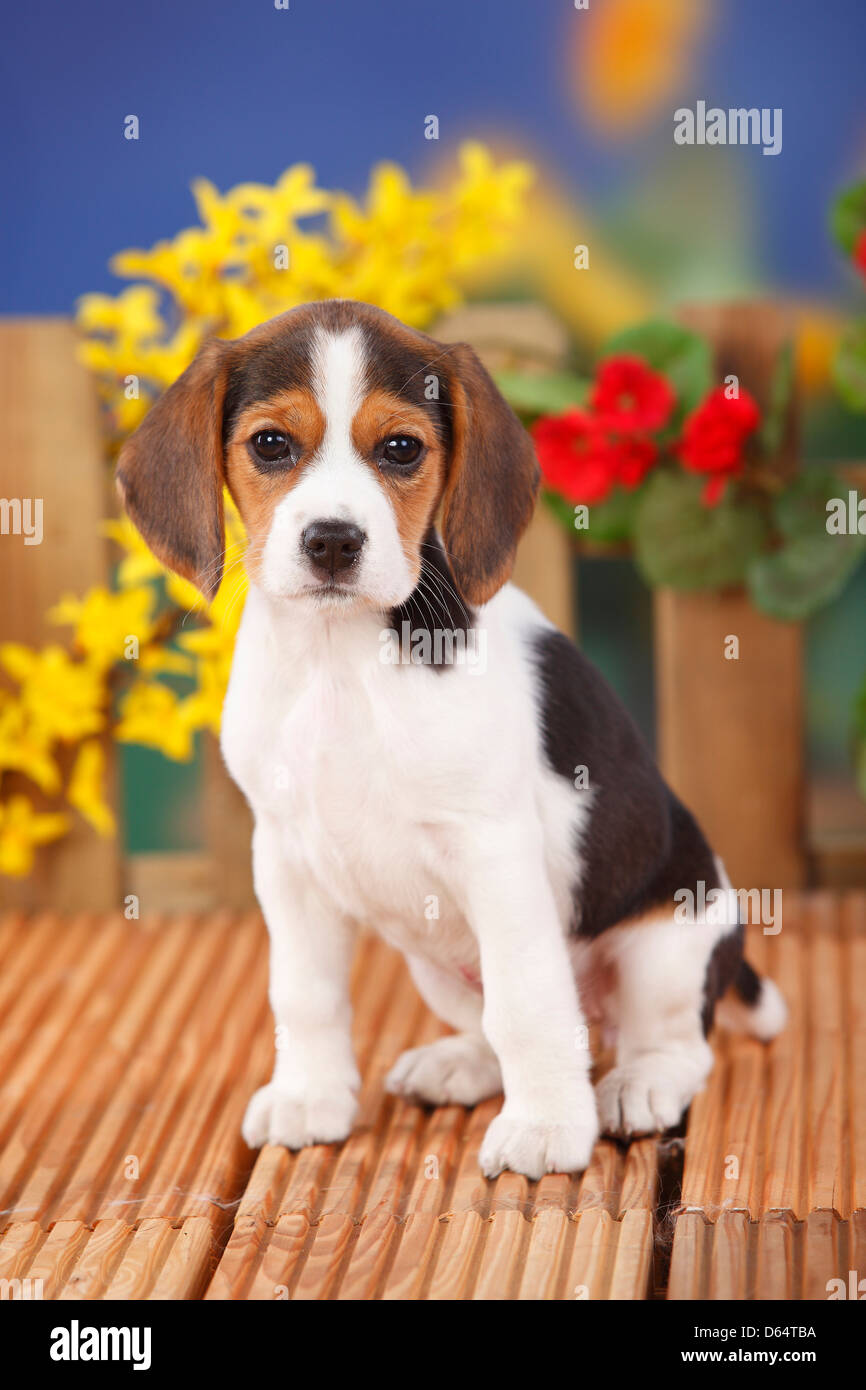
85	790
156	717
402	248
24	746
107	623
139	563
22	828
64	698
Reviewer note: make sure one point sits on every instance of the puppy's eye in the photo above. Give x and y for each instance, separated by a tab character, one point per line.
401	449
271	447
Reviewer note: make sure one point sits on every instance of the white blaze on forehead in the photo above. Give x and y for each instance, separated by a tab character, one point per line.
338	484
339	370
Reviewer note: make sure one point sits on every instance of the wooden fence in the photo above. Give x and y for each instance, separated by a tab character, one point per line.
730	733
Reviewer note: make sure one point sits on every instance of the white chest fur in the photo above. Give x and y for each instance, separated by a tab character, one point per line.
374	775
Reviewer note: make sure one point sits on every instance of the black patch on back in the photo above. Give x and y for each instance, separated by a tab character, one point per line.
748	984
434	602
641	845
723	970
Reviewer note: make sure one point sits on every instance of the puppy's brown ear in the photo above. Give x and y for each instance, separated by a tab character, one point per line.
170	472
492	481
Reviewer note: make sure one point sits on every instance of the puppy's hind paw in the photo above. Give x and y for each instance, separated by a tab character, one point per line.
649	1093
458	1070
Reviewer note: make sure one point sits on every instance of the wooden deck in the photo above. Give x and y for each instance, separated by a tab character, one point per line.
128	1052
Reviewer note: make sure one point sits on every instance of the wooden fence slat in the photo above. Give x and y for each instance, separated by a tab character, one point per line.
52	450
730	732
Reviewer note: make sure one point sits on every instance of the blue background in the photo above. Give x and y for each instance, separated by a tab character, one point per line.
236	90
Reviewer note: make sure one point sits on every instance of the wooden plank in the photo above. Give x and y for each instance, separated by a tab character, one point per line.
71	1262
107	1152
689	1274
729	1272
787	1064
189	1263
98	1262
116	1019
632	1270
854	927
172	1131
777	1239
802	1176
550	1235
54	455
826	1123
143	1259
35	1091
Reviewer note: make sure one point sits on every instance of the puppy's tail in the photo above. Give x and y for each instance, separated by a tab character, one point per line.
752	1005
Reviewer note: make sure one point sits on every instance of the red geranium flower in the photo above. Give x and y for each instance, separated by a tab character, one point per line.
629	395
635	458
714	435
860	252
575	455
583	460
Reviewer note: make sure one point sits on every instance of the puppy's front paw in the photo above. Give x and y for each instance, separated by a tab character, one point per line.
275	1116
458	1070
534	1147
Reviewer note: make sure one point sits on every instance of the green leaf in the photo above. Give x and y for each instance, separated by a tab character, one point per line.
860	739
608	521
813	565
860	712
614	519
683	544
781	387
794	582
683	357
860	766
849	367
801	510
562	510
848	216
545	394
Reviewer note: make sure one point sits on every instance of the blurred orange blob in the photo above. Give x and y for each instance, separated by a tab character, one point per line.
628	55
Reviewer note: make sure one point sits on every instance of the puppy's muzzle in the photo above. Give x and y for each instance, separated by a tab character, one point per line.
332	546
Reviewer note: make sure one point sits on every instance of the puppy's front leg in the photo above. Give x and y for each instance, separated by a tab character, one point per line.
532	1016
312	1097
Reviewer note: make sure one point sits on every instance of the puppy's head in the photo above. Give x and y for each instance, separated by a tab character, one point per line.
340	434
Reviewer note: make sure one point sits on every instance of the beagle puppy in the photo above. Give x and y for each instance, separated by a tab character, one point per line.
499	820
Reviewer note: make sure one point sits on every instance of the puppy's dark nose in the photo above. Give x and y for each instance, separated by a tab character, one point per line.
332	545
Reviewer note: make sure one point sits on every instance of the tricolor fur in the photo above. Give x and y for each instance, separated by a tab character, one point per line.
434	801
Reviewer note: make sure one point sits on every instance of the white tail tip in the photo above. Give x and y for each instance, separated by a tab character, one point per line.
763	1020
